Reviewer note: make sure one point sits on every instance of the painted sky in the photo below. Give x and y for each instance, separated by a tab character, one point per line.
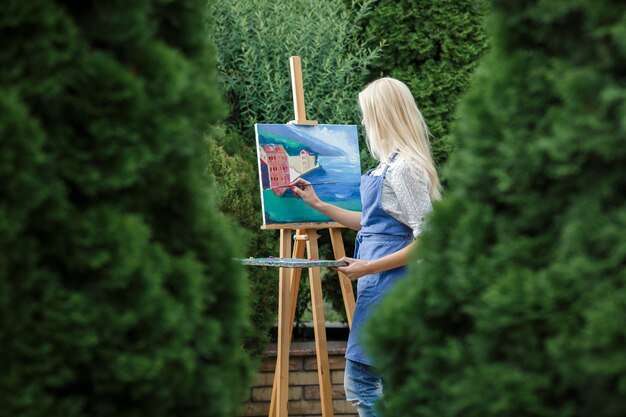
329	140
343	137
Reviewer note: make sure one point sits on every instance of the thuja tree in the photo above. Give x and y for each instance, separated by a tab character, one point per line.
518	307
118	295
433	46
254	40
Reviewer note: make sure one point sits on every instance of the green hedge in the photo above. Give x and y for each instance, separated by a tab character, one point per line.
518	307
434	47
118	296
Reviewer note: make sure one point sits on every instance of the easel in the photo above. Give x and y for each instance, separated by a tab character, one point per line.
289	284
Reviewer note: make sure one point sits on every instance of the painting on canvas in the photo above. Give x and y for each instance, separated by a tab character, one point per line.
327	154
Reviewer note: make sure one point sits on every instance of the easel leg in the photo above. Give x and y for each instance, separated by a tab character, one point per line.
284	311
344	281
319	323
294	287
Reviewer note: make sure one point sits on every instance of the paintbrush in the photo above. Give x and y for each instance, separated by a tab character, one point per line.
304	185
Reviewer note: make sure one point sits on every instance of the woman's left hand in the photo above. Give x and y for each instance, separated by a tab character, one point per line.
355	269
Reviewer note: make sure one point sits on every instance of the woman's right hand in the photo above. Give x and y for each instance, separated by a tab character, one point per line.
304	190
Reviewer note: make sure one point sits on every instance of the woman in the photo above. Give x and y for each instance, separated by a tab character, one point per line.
396	197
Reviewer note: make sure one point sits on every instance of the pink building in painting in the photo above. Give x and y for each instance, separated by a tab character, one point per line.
274	167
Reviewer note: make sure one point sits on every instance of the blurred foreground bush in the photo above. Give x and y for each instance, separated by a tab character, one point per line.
118	296
519	305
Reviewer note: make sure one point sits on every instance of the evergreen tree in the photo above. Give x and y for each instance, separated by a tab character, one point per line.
433	46
118	296
519	305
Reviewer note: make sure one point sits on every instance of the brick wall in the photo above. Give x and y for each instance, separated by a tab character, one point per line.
304	394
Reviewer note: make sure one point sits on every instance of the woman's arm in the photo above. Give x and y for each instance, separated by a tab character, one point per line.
411	189
358	267
302	189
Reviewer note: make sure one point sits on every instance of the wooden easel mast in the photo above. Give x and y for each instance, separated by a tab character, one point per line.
289	284
297	90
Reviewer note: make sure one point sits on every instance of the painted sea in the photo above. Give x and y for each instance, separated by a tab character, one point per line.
323	153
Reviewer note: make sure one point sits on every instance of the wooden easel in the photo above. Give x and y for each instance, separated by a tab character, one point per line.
289	284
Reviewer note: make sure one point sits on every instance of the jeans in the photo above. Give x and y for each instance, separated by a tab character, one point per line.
363	387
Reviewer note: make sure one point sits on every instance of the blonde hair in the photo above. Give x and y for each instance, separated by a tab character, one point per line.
393	122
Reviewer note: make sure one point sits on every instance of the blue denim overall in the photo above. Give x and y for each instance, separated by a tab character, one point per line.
380	235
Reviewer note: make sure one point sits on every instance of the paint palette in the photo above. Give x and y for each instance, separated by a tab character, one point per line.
291	262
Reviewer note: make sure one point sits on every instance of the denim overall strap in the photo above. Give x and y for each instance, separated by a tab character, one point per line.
374	219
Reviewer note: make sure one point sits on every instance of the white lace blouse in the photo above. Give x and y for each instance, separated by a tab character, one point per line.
405	193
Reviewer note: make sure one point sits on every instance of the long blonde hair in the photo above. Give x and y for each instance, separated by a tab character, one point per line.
393	122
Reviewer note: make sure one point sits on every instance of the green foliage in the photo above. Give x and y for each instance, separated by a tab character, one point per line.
118	295
518	307
238	189
433	46
254	40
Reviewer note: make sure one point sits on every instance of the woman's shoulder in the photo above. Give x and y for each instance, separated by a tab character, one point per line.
402	168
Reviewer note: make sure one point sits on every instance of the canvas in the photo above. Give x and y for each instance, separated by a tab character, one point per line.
320	154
